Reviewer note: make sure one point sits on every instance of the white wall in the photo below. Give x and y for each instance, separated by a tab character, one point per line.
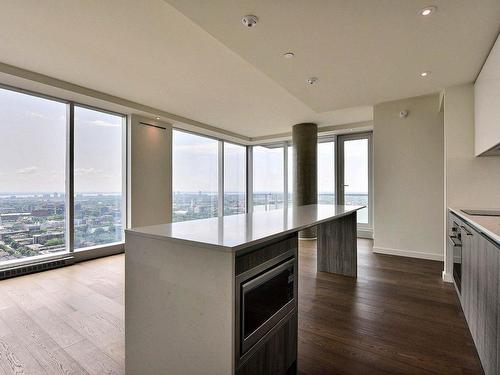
471	182
487	103
409	178
150	172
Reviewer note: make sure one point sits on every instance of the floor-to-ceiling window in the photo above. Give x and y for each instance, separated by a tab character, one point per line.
326	171
32	176
209	177
195	176
45	151
268	177
235	178
99	212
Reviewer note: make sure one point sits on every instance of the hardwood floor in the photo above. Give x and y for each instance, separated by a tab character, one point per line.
398	317
65	321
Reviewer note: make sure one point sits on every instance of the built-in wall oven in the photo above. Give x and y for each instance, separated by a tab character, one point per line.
265	295
455	244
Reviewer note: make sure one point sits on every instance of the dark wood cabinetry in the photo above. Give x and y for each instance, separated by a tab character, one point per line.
278	354
480	293
269	348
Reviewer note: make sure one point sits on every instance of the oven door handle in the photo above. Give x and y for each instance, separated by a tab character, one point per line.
267	275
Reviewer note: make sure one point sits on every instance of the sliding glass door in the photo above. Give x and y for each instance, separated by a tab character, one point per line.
354	174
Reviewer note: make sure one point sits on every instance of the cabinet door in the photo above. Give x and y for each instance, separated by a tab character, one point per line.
490	348
473	287
482	288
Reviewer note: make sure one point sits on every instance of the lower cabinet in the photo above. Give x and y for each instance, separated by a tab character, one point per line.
278	356
480	294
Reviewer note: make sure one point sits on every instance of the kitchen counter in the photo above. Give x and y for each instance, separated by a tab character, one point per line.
487	225
236	232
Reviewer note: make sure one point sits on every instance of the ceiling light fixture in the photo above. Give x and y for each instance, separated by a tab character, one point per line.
249	20
427	11
288	55
312	80
425	74
157	117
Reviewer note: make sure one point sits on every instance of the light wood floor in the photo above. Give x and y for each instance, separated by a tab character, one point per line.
65	321
398	317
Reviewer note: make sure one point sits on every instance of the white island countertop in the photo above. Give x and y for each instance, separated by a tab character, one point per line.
236	232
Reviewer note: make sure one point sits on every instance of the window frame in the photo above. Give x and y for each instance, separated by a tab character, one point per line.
70	251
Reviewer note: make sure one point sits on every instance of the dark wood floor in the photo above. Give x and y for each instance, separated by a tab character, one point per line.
398	317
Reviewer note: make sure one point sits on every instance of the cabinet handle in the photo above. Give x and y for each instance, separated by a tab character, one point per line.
466	230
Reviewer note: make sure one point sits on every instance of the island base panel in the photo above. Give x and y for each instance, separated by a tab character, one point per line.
337	246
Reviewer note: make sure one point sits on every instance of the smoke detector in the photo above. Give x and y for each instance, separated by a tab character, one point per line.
312	80
250	20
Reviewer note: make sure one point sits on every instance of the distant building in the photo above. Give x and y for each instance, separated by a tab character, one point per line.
13	216
44	237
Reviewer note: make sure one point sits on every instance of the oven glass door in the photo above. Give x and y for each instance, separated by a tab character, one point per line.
265	300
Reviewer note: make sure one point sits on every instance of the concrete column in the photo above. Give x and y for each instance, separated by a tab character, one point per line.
305	190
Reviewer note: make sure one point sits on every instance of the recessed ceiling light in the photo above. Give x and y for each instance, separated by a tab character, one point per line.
288	55
312	80
425	74
157	117
427	11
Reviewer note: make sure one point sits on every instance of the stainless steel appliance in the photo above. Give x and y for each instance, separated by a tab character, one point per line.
264	297
455	244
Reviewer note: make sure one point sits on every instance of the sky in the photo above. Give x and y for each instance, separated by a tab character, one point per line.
33	149
33	146
195	166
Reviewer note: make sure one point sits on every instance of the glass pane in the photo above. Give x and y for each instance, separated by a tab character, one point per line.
290	175
326	173
99	207
265	300
268	178
195	176
235	177
356	175
32	176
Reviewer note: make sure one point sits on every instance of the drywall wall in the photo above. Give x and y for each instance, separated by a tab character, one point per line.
409	178
150	172
487	98
471	182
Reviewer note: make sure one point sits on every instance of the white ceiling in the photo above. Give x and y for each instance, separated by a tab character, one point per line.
215	71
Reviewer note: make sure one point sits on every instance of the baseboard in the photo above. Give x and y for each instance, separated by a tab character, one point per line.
447	277
406	253
365	233
98	252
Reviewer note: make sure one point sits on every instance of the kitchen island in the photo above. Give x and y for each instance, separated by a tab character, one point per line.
219	295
